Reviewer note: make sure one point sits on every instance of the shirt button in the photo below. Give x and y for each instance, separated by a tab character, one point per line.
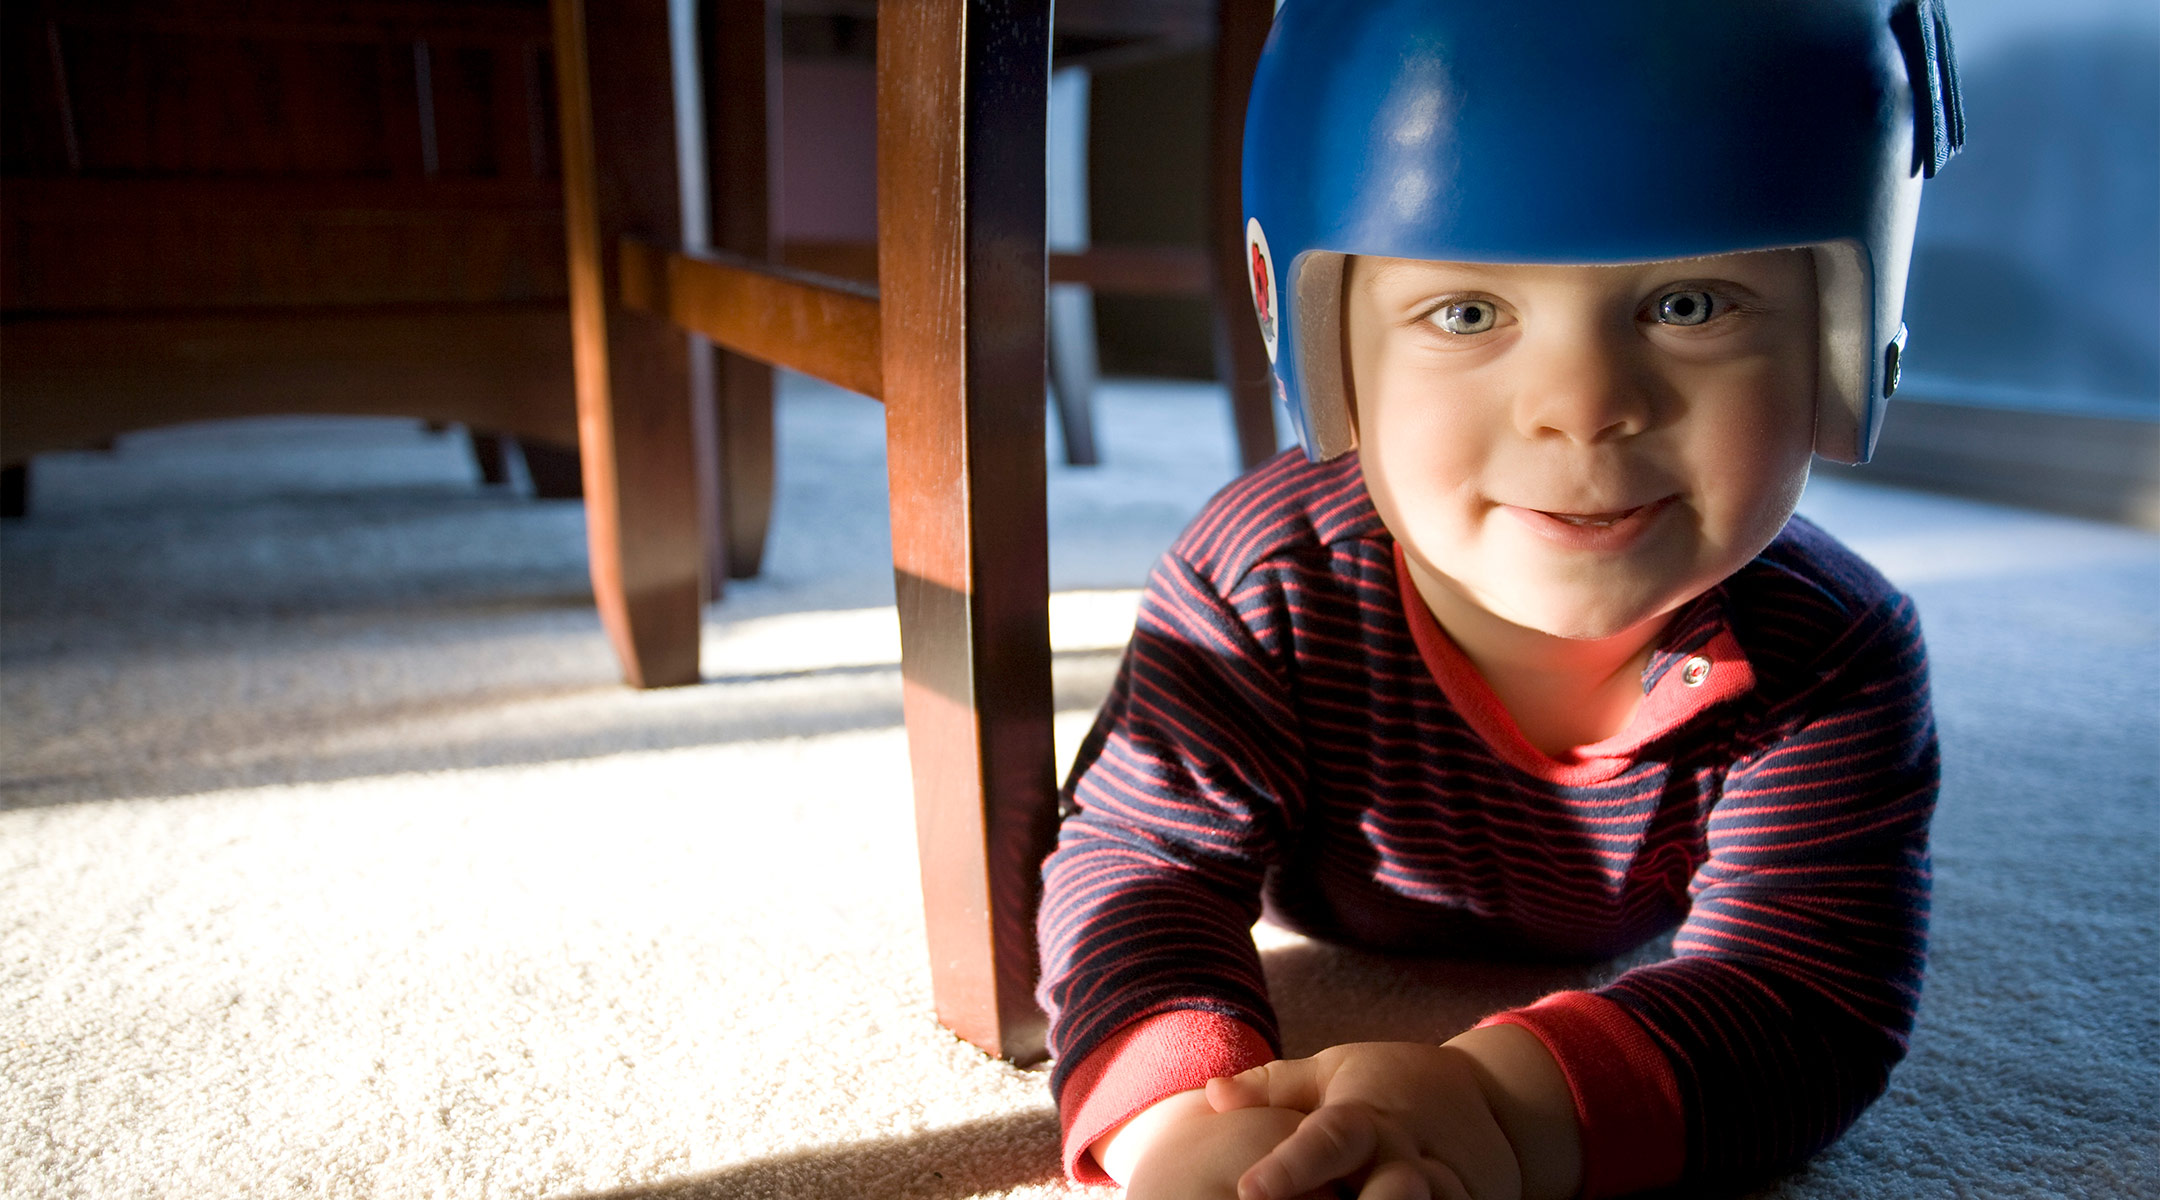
1694	671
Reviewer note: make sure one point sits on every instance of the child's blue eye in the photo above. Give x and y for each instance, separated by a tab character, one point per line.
1468	316
1684	308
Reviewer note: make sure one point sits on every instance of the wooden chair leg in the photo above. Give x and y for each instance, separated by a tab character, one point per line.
705	468
557	472
742	105
491	454
1241	28
961	94
1073	363
1074	370
736	475
746	458
15	490
621	175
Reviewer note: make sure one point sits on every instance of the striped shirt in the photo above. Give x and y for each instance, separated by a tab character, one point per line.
1290	732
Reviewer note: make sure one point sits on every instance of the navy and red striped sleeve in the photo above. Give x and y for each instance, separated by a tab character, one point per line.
1177	804
1795	977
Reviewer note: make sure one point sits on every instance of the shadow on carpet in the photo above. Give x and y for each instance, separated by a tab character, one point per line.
987	1157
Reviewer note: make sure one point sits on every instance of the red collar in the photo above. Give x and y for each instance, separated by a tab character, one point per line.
1698	645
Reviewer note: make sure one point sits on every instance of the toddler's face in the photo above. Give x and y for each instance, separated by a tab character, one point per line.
1582	449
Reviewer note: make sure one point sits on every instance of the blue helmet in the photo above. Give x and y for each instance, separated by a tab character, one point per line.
1588	131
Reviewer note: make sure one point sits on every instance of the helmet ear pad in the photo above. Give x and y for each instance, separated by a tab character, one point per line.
1845	380
1316	307
1844	387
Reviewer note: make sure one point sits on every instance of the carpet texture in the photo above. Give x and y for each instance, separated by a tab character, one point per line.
334	862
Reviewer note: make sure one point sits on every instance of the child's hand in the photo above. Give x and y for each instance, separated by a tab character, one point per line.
1488	1116
1408	1120
1181	1149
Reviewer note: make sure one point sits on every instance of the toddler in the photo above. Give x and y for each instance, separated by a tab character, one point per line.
1526	655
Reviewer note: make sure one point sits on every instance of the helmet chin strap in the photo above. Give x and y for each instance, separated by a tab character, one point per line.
1923	33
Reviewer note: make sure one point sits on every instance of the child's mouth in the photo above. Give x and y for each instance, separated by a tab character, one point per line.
1609	531
1596	520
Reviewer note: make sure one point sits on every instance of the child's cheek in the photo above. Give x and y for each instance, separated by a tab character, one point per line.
1751	460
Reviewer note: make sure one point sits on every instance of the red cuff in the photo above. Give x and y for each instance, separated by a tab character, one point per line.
1626	1097
1145	1061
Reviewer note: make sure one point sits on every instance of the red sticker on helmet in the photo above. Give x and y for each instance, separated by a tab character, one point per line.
1260	272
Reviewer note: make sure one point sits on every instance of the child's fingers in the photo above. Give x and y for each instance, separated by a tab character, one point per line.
1329	1144
1285	1083
1227	1093
1404	1179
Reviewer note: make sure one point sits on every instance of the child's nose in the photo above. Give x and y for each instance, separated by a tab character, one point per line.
1584	388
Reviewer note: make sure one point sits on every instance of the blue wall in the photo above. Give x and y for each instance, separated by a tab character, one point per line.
2036	281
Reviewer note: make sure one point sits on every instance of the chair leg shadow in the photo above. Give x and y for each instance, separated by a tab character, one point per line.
985	1157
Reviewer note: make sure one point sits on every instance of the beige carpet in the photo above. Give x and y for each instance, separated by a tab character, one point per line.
334	863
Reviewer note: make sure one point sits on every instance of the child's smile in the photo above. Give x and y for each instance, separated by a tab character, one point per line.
1580	450
1607	531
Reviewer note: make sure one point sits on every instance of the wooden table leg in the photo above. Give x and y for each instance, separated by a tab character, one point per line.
1241	28
621	175
962	89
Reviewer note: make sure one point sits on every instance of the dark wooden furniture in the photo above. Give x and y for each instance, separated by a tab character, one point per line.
950	338
1094	37
221	208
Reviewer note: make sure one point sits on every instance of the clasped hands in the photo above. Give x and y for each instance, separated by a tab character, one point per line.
1474	1119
